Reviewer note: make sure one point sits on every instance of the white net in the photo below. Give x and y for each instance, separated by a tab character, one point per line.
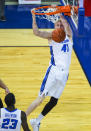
74	15
51	13
73	3
52	18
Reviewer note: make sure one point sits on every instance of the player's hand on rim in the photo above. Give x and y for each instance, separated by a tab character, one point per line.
32	12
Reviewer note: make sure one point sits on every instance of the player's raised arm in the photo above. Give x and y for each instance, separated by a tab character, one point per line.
37	32
66	26
24	121
3	86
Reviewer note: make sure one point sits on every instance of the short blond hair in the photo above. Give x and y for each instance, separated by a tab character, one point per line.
58	21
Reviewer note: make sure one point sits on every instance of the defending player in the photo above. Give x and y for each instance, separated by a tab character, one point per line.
11	118
57	73
3	86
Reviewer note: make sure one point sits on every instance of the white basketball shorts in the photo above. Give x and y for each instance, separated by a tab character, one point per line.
54	82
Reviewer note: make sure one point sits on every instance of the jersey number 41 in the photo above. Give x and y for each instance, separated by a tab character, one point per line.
65	48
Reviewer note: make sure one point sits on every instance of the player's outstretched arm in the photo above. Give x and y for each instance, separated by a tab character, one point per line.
37	32
24	121
3	86
66	26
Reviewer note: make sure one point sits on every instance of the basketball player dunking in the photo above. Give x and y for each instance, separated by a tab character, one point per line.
57	73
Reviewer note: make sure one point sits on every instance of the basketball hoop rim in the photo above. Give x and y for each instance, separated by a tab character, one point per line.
60	9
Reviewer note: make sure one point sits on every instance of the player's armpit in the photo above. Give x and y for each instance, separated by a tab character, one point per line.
24	121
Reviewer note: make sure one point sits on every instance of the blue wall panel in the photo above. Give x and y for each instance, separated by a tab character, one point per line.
19	16
82	47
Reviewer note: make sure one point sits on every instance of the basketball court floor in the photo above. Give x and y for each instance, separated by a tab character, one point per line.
24	59
23	69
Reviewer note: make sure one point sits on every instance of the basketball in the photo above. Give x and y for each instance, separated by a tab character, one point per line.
58	35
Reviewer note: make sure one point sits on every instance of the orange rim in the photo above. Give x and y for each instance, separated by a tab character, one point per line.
60	9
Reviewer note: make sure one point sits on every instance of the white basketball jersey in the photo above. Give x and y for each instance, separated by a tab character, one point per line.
10	120
61	53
